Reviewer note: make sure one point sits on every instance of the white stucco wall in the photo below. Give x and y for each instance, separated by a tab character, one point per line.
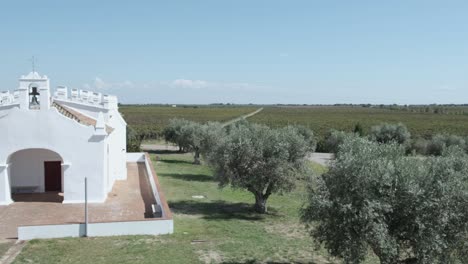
116	141
98	156
27	167
83	154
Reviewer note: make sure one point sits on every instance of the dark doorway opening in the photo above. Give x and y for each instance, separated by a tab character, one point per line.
53	176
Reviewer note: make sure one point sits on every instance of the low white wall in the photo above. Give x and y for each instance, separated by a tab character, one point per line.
154	189
50	231
150	227
135	157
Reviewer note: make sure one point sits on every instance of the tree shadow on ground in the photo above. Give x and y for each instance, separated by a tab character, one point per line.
189	177
177	161
164	151
253	261
216	210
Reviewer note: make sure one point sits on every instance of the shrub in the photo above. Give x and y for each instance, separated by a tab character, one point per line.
419	146
358	129
439	143
386	133
333	139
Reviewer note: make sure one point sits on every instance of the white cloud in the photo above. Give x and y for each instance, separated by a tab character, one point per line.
446	88
184	83
201	84
100	84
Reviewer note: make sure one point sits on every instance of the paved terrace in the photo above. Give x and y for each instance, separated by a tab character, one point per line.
130	200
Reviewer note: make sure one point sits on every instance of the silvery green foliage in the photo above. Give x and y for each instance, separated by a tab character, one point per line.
260	159
308	135
213	134
405	209
194	137
176	132
419	146
386	133
439	143
334	139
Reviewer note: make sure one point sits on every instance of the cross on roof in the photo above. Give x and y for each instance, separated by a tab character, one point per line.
33	62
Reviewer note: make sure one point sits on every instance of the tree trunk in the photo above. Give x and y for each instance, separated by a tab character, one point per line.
260	204
196	160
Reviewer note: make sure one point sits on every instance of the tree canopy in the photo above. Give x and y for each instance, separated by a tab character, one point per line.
193	136
260	159
133	140
386	133
406	209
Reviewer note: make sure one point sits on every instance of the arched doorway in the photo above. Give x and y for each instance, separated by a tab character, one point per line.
36	175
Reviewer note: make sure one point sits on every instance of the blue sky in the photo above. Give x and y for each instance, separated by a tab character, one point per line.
314	52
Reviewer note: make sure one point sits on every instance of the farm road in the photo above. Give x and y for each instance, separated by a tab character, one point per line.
320	158
243	117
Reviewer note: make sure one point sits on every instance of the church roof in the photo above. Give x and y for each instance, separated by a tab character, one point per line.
79	117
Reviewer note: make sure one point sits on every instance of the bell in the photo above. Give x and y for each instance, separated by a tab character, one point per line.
34	94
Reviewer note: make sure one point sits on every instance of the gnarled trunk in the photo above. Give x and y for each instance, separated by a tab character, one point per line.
260	203
196	158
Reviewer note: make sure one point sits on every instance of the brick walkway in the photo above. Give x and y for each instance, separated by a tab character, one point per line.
130	200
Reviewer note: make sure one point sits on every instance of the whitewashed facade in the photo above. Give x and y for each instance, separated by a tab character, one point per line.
51	142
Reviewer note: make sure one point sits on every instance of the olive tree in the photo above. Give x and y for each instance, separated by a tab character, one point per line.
439	143
386	133
308	135
133	140
333	139
176	132
194	137
260	159
202	139
405	209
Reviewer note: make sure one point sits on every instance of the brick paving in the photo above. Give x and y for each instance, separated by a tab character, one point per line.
130	200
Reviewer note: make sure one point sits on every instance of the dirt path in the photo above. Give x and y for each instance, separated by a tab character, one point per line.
12	252
158	147
243	117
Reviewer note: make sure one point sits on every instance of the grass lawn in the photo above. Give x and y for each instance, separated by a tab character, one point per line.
221	228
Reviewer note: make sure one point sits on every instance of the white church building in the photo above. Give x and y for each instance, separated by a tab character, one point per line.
51	142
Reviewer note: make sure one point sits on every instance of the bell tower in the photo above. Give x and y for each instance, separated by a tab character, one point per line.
34	92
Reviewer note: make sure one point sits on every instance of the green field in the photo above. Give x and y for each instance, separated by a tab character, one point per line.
423	121
222	228
149	121
323	118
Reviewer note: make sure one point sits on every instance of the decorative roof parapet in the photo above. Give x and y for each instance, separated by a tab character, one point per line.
86	97
8	98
